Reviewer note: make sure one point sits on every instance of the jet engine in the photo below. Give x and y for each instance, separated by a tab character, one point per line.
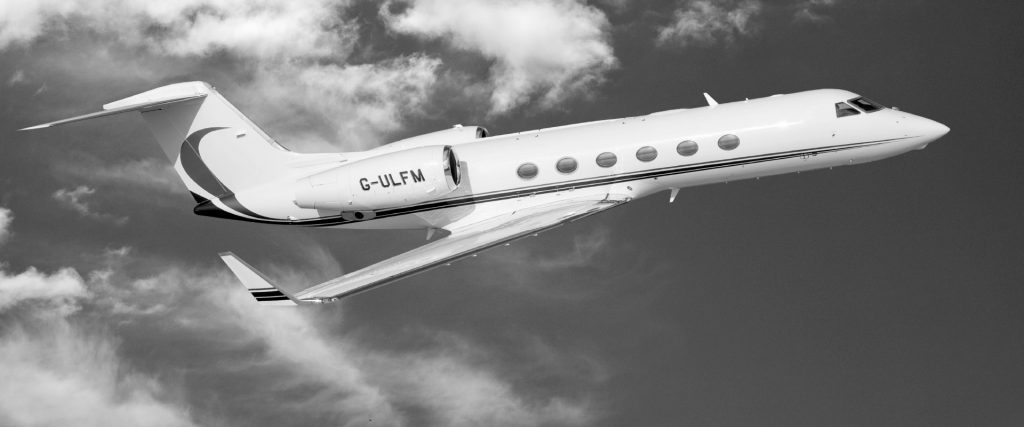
389	180
452	136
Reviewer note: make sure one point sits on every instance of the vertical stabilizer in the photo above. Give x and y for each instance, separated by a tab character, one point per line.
216	150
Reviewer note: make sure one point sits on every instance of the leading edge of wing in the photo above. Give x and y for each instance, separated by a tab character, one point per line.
462	242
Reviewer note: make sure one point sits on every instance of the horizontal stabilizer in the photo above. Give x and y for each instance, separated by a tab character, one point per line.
152	99
258	285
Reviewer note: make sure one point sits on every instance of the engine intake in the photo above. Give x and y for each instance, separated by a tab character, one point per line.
389	180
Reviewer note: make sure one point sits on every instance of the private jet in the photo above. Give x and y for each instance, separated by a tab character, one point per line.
471	191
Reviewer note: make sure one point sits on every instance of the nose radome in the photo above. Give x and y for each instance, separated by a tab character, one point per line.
927	128
936	129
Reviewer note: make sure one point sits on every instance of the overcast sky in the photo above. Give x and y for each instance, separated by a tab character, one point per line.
883	294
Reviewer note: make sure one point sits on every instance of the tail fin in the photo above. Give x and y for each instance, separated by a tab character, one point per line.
258	286
216	150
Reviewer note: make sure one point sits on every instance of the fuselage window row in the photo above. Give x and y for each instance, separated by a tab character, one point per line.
568	165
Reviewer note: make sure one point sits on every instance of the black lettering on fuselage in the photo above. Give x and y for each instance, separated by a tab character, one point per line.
389	179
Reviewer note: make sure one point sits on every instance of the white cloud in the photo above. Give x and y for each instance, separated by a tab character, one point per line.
359	102
585	247
813	10
53	372
449	385
6	216
286	55
52	356
452	382
261	29
75	199
60	289
457	393
150	173
550	49
706	22
16	78
559	257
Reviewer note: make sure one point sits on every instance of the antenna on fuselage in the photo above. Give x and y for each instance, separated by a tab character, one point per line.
711	101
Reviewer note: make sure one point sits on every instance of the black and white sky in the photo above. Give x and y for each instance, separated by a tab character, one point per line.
890	293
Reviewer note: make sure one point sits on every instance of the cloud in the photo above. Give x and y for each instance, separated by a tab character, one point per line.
6	216
445	380
283	54
260	29
148	174
549	50
62	288
54	373
54	370
16	78
447	383
813	10
365	100
76	200
459	394
569	255
707	22
585	247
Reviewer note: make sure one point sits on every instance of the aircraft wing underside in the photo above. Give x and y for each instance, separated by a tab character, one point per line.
510	221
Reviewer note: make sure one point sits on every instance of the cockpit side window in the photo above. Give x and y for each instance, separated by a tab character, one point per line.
867	105
843	109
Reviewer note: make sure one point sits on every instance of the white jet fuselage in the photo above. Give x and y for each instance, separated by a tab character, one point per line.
779	134
487	191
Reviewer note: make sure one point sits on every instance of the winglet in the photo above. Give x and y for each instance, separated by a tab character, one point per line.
711	101
257	284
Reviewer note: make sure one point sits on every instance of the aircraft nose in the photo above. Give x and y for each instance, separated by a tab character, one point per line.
937	130
930	129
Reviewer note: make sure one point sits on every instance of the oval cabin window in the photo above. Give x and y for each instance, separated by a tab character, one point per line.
607	160
687	148
646	154
527	170
566	165
728	142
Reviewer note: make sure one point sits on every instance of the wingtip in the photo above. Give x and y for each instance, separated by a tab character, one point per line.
265	292
42	126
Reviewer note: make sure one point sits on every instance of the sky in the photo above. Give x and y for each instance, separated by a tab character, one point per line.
882	294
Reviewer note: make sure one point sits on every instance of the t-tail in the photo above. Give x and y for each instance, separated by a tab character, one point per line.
216	150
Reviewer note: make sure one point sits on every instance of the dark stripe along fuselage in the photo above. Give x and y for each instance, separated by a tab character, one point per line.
205	208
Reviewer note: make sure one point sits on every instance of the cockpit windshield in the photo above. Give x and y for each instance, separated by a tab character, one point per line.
843	109
867	105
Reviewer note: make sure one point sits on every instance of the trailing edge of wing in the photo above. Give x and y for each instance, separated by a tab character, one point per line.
257	284
118	109
516	222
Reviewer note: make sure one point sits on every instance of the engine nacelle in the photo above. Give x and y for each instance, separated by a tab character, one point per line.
389	180
454	135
